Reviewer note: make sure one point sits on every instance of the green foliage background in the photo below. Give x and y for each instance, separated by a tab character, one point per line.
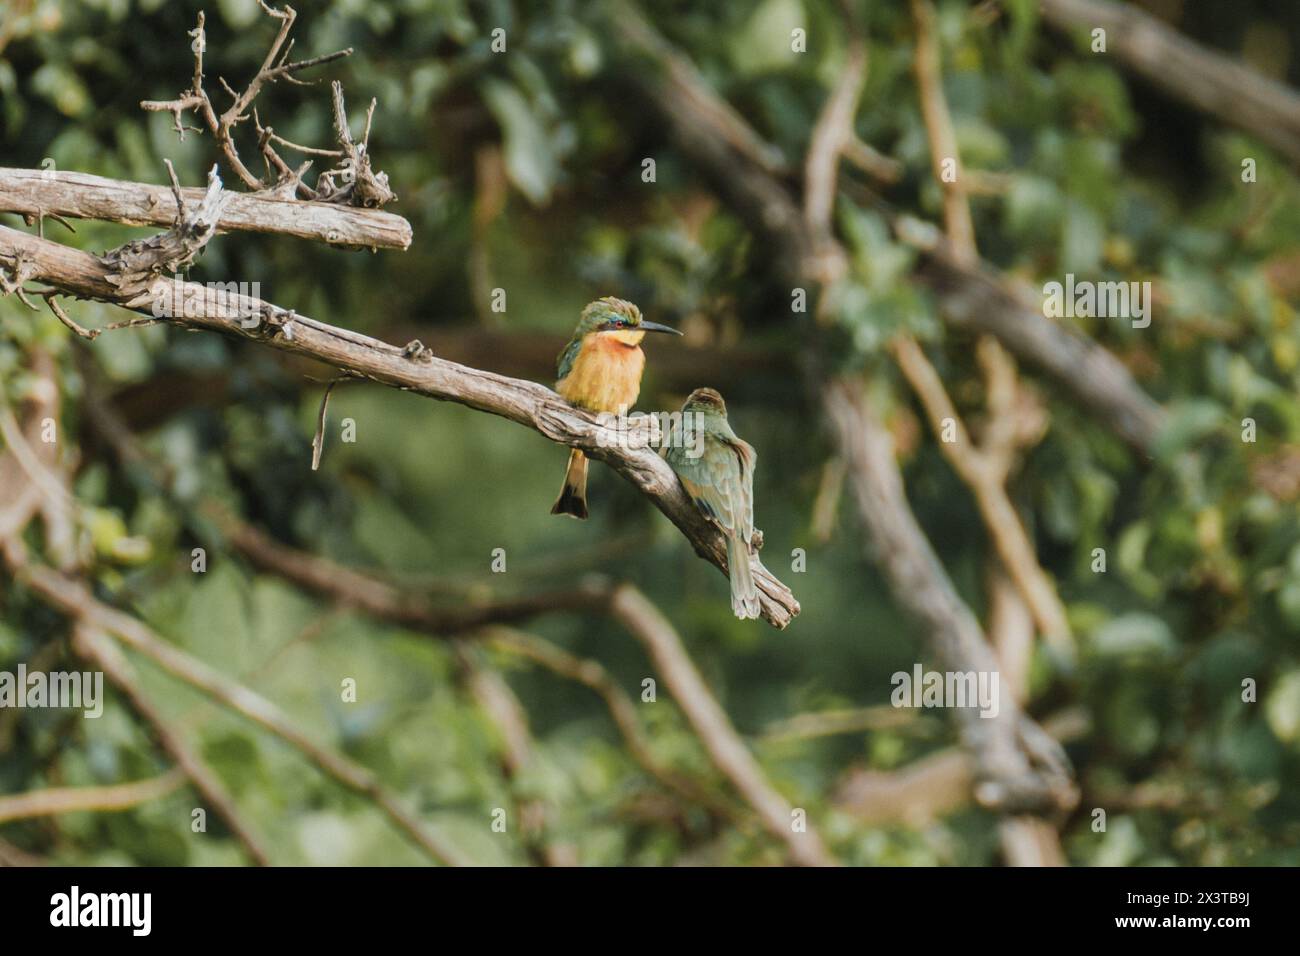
1103	177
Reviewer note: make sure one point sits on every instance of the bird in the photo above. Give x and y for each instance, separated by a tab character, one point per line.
600	370
716	468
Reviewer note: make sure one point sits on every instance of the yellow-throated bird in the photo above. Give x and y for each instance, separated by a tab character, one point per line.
717	471
600	370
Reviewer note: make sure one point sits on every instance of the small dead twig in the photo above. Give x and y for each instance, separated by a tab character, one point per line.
176	190
51	299
362	186
318	442
286	182
21	271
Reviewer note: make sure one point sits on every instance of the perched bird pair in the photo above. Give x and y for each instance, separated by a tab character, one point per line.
600	370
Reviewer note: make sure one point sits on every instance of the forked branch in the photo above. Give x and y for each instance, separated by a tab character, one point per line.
362	186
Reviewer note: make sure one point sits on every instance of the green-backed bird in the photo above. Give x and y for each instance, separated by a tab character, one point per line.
600	370
717	470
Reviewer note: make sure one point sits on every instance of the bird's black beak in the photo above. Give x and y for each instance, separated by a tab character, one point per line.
656	327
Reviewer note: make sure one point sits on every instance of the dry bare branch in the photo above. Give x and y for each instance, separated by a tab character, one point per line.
362	187
134	266
31	192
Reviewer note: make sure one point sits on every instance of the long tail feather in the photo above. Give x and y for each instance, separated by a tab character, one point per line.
744	593
573	496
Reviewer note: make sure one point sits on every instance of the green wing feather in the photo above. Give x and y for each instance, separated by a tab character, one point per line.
721	481
564	364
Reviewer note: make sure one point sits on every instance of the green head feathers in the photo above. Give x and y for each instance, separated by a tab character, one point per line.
611	315
608	313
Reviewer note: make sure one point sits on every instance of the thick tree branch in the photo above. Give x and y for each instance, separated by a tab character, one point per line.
33	193
1018	766
414	368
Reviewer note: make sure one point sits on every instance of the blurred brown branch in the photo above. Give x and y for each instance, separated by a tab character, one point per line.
594	595
108	799
1228	90
1020	768
92	644
94	622
631	608
73	599
984	467
593	675
932	786
502	708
